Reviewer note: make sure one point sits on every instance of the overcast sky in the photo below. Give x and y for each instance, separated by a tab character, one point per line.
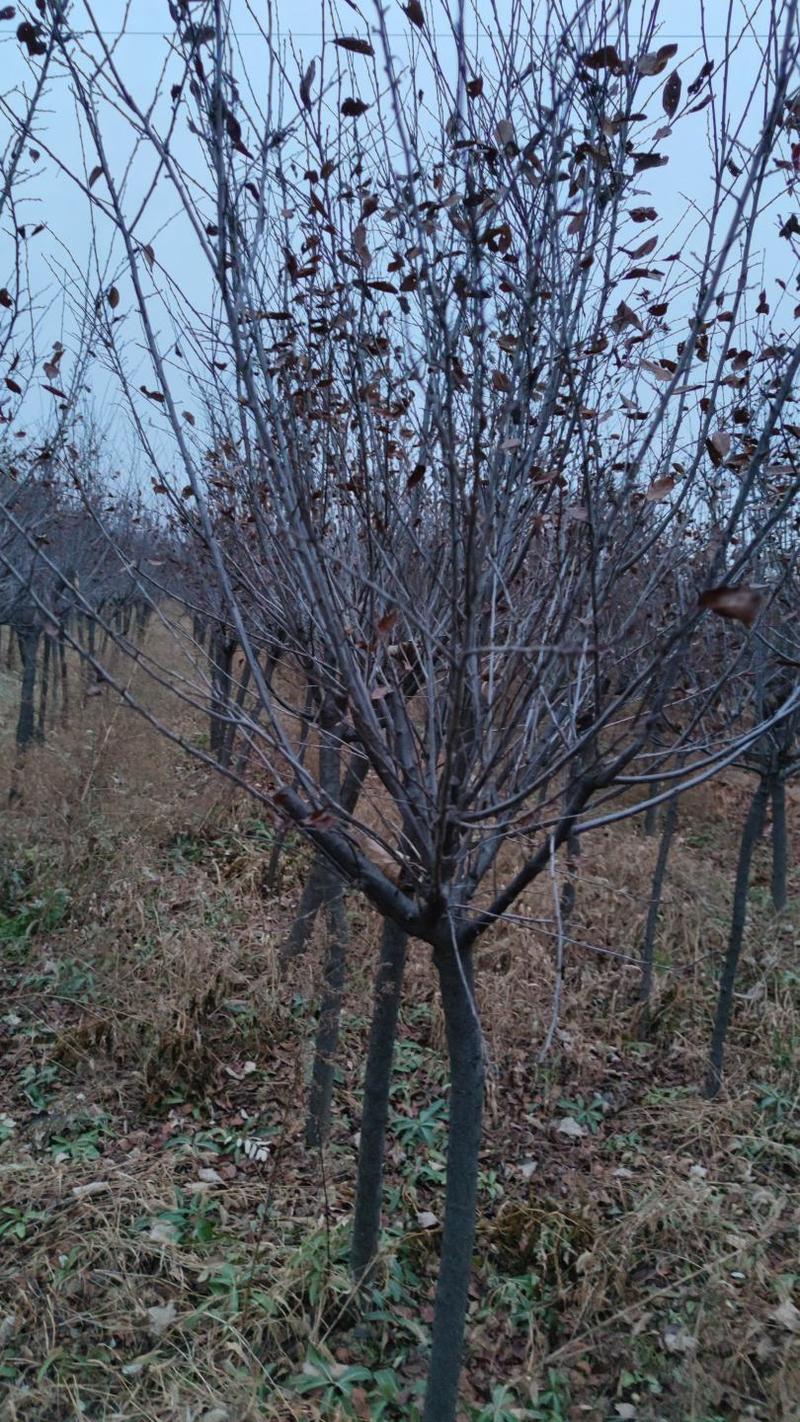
65	245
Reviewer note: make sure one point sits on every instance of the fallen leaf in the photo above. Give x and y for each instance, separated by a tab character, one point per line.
568	1126
161	1232
678	1339
162	1317
787	1315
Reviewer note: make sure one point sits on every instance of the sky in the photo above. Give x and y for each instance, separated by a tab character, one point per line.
60	257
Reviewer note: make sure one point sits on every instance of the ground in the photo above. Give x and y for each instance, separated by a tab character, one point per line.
637	1248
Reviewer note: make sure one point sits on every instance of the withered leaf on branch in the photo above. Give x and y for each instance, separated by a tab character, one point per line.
112	297
743	604
305	84
28	35
604	58
671	95
624	316
657	61
415	13
643	161
719	447
354	44
504	132
660	488
95	174
353	108
643	250
659	371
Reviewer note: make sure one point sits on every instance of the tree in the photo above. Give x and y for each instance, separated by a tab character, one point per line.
484	434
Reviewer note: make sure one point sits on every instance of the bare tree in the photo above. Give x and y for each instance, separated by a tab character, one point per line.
473	487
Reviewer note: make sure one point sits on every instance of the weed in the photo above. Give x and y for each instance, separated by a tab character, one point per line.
590	1114
423	1130
15	1223
193	1220
36	1080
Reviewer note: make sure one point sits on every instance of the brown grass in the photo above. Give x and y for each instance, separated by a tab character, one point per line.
649	1264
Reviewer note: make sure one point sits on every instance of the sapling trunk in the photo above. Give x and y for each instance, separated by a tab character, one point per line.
44	688
651	813
221	653
465	1050
780	844
318	1122
314	889
375	1106
64	676
26	721
327	1040
656	890
751	832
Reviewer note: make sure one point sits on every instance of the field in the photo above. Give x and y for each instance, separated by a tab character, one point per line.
638	1246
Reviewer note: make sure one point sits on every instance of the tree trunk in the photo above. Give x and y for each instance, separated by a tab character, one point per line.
229	731
465	1049
26	722
656	890
318	1120
651	813
221	654
44	687
62	662
753	827
143	615
780	845
314	889
375	1106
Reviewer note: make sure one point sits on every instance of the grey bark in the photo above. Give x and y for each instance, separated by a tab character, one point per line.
314	889
656	891
465	1050
318	1119
753	826
780	844
26	722
375	1106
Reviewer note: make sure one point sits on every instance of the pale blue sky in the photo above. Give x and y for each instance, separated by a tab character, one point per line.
50	197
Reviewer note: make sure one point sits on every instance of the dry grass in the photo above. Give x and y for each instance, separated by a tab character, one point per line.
149	1270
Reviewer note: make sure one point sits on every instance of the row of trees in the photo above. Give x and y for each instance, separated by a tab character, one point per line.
447	434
